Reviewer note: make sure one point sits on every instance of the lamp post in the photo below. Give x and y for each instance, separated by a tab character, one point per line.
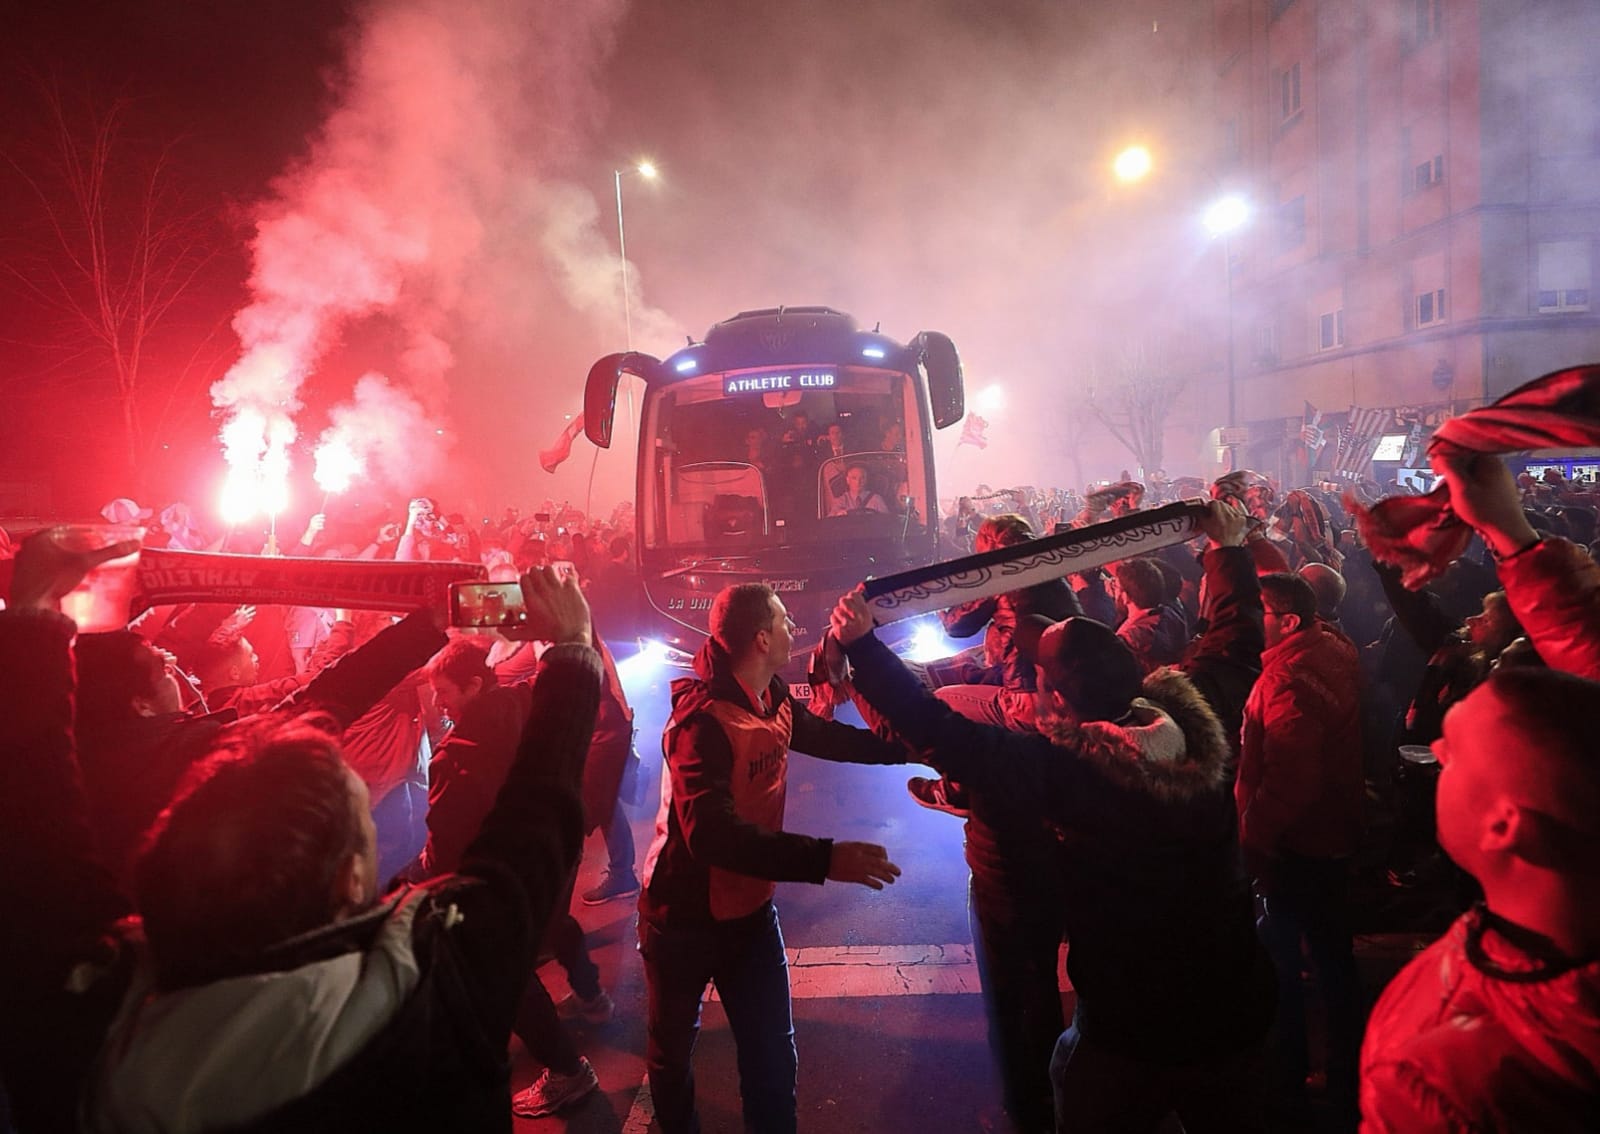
647	171
1223	218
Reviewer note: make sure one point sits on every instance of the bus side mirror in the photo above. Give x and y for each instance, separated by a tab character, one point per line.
600	390
942	365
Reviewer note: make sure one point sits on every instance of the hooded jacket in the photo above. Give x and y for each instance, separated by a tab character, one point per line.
1164	956
1478	1034
719	843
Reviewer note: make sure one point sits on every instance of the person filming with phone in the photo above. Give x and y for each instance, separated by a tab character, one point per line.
260	924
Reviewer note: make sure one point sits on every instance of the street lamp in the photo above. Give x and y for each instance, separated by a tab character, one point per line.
1222	218
1132	164
646	170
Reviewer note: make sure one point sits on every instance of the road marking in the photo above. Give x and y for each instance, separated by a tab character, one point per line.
851	971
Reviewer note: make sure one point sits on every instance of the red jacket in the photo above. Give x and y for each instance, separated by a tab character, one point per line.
1471	1036
1300	785
1554	590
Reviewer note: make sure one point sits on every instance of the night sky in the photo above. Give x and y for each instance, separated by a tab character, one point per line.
423	190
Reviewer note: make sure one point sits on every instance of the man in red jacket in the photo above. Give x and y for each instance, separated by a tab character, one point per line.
1497	1025
706	912
1300	792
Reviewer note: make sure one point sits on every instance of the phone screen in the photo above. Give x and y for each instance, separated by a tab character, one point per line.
486	606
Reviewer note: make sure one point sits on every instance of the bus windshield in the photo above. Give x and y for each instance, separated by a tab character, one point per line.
736	465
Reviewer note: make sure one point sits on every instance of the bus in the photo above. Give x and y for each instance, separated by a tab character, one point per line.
790	447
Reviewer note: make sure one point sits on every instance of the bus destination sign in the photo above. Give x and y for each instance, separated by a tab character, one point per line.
778	381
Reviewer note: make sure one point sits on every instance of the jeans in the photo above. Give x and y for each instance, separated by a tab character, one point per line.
1017	942
745	959
1106	1092
537	1024
1306	902
619	842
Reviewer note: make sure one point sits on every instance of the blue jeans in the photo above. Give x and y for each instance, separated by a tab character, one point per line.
1306	915
746	960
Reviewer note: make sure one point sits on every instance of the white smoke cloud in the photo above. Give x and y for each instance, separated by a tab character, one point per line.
441	168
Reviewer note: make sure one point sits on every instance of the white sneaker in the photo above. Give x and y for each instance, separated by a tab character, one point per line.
552	1092
596	1011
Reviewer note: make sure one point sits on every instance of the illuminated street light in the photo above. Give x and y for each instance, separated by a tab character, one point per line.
1222	218
1226	215
646	170
1132	164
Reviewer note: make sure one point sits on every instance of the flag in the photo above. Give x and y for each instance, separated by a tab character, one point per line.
551	458
1358	440
1311	435
972	432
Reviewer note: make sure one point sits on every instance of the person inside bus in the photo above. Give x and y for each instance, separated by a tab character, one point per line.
857	496
755	447
831	443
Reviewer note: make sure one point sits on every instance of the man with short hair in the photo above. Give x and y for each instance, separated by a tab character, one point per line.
276	992
1300	794
857	497
1494	1027
706	912
1152	629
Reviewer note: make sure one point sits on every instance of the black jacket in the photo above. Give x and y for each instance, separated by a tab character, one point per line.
1055	600
1155	902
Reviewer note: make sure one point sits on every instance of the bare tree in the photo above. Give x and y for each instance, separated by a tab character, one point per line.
111	248
1132	398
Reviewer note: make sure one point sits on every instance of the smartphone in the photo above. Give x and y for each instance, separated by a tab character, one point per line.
487	606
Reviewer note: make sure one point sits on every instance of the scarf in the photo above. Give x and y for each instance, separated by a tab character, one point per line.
1421	535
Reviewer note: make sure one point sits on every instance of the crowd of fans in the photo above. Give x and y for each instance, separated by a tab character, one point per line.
1204	768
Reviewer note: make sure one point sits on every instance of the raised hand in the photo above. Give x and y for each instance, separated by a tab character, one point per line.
47	568
851	618
557	610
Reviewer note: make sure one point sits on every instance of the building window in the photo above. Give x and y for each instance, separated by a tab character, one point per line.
1330	329
1427	173
1267	345
1430	307
1429	18
1289	91
1564	267
1292	224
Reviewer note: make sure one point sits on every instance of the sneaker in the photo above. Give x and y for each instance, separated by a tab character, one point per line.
552	1092
611	885
937	795
595	1011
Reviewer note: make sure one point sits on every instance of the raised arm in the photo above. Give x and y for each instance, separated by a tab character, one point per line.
1552	586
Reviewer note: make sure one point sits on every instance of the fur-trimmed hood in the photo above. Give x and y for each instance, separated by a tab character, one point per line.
1170	745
